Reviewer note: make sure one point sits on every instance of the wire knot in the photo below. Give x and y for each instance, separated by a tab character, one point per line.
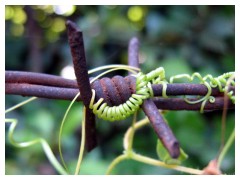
116	109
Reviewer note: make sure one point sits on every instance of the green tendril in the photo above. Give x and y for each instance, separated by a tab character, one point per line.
210	82
20	104
143	91
41	141
111	68
61	130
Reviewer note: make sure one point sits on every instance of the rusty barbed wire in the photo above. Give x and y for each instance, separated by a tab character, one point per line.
114	90
31	78
157	121
50	92
56	87
75	40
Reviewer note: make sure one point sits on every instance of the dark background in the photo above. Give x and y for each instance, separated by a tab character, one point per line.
182	39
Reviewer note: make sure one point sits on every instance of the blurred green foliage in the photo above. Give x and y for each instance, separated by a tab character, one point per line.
182	39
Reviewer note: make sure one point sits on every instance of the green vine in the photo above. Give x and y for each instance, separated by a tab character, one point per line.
143	91
130	154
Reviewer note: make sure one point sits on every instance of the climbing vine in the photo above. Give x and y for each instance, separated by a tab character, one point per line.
131	106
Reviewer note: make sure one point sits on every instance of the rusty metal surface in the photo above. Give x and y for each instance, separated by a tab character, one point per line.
122	88
115	91
38	79
186	89
180	104
133	50
160	127
41	91
76	44
57	81
70	93
75	39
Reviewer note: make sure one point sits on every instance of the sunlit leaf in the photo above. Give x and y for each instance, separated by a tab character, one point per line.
165	156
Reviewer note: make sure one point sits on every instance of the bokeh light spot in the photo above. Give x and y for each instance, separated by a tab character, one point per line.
19	16
135	13
40	15
58	25
65	10
47	8
17	29
9	12
68	72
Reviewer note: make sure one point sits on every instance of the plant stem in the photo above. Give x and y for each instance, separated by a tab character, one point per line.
224	113
53	160
82	144
154	162
136	126
129	68
61	130
115	162
20	104
226	147
129	138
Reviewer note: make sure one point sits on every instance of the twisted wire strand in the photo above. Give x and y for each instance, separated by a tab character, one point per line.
144	91
122	111
210	82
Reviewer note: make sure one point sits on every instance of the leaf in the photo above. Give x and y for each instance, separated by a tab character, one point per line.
165	156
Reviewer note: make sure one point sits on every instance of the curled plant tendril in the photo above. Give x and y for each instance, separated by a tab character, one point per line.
220	82
49	153
143	91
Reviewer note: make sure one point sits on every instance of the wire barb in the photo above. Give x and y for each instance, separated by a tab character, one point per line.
75	39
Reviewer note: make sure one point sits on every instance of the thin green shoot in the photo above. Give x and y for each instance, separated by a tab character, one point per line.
226	147
111	70
131	135
20	104
41	141
61	130
124	67
128	138
224	114
116	161
82	143
114	68
153	162
130	154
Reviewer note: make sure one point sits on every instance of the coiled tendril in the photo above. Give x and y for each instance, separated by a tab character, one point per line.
210	82
122	111
144	91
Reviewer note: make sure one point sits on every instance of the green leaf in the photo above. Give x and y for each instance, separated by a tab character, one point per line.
165	156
